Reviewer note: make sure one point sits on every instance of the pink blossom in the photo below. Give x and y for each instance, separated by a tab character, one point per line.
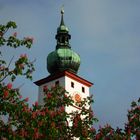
23	132
53	86
91	114
40	123
43	113
20	96
21	66
33	115
107	125
9	85
78	117
111	132
2	67
35	130
49	96
62	109
15	34
53	124
98	136
92	129
23	56
76	120
5	94
100	127
46	110
75	123
31	39
26	99
52	114
38	112
36	103
25	108
65	96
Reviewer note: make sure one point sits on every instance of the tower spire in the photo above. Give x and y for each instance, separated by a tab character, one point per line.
63	58
62	13
62	27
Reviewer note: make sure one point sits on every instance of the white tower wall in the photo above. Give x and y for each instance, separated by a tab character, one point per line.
66	82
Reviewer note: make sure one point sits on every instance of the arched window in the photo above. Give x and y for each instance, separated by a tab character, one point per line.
63	39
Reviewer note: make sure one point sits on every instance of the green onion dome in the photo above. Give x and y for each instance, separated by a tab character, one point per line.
63	58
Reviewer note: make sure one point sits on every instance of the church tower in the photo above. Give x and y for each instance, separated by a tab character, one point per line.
63	64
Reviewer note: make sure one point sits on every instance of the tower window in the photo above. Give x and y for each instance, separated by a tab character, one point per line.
72	84
45	88
83	89
58	39
63	39
57	83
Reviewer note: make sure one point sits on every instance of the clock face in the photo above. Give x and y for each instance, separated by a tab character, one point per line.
77	97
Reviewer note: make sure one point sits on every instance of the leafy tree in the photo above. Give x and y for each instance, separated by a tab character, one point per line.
131	130
50	121
22	65
132	127
11	105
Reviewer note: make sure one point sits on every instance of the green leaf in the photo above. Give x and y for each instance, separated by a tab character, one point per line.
133	104
11	24
13	78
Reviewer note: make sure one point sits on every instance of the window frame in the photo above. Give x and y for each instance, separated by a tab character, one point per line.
57	83
83	89
72	84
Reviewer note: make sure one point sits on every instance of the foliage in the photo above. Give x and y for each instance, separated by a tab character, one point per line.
132	127
22	66
50	121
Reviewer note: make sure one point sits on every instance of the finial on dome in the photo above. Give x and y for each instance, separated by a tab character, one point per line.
62	13
62	9
62	27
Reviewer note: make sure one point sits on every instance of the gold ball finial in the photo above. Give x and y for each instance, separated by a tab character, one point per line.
62	9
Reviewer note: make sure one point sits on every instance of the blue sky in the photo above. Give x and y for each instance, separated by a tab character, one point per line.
106	34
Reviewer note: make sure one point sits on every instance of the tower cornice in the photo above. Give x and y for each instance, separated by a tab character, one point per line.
61	74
